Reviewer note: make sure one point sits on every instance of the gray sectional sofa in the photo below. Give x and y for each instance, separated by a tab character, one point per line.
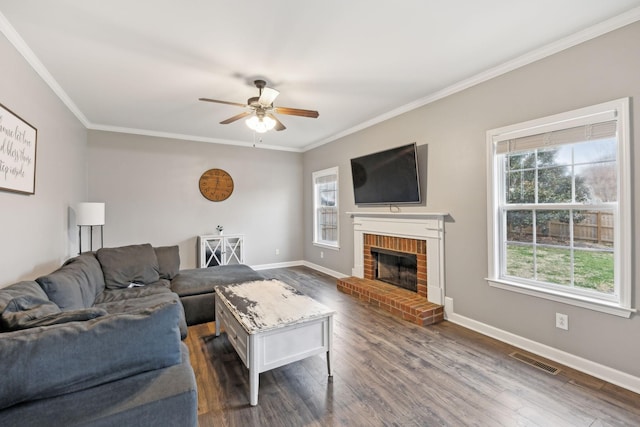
98	342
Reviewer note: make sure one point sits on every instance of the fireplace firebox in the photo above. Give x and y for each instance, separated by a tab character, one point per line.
397	268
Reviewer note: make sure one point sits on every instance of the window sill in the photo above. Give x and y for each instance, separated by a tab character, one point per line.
566	298
327	246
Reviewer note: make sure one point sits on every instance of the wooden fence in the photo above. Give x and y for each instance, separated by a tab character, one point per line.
596	227
593	227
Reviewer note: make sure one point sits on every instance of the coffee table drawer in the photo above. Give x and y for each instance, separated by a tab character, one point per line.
235	333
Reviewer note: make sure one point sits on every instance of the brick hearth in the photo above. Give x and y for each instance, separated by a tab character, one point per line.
409	305
400	302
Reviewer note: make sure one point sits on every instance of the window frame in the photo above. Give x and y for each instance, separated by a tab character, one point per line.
317	241
623	233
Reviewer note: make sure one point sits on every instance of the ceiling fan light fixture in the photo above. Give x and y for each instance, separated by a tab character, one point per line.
260	124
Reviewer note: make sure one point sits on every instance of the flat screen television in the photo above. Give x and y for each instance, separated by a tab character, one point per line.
387	177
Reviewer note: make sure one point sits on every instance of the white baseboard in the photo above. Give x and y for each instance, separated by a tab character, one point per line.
311	265
597	370
276	265
324	270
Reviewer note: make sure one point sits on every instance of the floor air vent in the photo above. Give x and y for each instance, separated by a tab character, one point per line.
535	363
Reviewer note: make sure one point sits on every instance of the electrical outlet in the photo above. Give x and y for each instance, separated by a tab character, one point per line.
321	254
562	321
277	251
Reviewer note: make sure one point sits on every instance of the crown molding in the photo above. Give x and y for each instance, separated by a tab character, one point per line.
184	137
21	46
587	34
592	32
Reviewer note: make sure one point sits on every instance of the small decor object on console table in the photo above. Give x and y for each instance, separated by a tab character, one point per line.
220	229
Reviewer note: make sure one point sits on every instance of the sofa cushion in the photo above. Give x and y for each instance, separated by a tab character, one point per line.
128	264
120	294
22	310
145	299
168	261
203	280
44	315
75	356
76	284
26	288
162	397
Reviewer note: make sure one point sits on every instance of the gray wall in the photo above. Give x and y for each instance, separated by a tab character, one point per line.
150	187
454	129
38	231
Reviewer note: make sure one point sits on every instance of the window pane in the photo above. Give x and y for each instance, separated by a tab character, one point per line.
553	265
520	226
594	270
593	229
554	157
552	227
554	185
520	187
521	161
519	262
598	182
593	232
595	151
327	196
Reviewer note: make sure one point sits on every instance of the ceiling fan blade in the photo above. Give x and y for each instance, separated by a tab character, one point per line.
236	117
268	96
222	102
296	112
279	125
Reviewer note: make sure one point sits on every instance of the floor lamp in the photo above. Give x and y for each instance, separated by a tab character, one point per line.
90	215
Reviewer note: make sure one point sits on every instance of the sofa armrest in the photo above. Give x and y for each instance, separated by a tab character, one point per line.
47	361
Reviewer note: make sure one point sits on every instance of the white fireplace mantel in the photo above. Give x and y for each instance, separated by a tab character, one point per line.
412	225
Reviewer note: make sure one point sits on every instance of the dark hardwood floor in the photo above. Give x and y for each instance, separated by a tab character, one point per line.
389	372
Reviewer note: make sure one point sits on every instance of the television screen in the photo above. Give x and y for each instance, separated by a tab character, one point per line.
386	177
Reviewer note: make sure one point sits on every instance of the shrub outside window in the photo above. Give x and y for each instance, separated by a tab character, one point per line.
559	208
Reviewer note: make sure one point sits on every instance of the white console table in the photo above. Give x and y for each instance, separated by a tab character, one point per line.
220	250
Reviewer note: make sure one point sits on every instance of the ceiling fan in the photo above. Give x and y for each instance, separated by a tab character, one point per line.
262	109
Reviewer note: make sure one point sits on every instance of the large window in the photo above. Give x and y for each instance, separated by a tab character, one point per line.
559	208
325	207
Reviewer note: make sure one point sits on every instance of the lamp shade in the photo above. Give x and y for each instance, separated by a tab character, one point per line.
90	214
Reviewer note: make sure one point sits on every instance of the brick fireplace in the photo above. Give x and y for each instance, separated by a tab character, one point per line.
419	235
398	244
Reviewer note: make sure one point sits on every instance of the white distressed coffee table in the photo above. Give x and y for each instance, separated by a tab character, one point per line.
270	324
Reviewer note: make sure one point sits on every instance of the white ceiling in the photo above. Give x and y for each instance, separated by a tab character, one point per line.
140	66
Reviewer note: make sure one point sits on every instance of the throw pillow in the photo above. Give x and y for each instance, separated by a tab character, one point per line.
168	261
75	285
128	264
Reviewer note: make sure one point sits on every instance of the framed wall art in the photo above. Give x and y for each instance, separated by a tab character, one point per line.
17	153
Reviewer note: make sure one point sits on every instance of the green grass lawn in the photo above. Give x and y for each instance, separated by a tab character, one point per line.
592	270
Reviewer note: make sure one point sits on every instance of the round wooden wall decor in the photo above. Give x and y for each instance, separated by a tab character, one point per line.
216	185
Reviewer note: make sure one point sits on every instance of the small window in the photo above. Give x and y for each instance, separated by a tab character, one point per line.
559	208
325	207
